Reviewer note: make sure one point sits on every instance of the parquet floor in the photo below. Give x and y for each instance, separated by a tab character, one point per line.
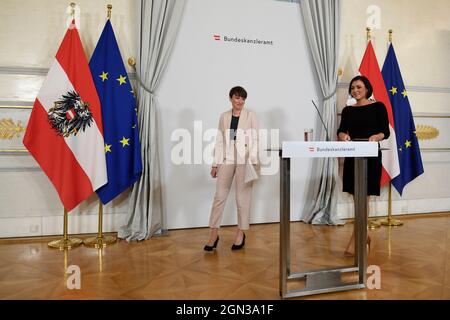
414	261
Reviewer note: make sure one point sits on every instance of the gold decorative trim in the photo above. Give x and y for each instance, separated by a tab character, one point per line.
16	107
435	149
433	117
426	132
13	151
10	129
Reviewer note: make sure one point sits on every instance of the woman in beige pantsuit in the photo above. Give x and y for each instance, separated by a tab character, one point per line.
236	145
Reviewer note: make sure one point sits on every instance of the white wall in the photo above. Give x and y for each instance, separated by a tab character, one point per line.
280	84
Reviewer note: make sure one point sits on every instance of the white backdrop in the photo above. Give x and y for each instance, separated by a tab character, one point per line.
280	83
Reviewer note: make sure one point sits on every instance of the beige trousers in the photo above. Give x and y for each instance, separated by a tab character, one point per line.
225	175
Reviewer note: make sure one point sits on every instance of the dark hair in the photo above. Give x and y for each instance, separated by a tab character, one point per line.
366	84
239	91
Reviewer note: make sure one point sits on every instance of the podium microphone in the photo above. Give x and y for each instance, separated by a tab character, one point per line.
321	119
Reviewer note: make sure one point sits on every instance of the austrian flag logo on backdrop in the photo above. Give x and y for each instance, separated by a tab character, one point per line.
243	40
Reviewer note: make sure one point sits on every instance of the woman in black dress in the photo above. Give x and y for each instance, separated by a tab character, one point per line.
366	120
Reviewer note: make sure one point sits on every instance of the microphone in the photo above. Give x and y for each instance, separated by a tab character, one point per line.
323	123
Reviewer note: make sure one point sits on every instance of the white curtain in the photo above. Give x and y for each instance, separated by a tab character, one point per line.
160	20
322	20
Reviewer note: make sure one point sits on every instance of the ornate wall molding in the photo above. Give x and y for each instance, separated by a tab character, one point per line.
28	71
16	104
33	71
431	89
20	169
13	122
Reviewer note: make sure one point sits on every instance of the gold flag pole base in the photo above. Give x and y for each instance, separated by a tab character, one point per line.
63	244
391	222
100	242
373	224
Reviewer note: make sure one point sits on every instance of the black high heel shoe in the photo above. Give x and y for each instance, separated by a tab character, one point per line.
211	248
238	246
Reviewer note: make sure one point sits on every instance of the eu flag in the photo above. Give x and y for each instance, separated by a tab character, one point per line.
119	113
408	146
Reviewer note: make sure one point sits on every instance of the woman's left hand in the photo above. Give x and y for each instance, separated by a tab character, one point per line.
376	137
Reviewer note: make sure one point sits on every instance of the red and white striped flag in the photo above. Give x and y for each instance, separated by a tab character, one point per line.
371	70
65	132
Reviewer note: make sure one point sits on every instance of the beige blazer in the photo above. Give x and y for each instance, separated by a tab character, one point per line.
245	148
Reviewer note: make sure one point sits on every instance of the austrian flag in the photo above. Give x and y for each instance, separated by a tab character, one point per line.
65	132
370	68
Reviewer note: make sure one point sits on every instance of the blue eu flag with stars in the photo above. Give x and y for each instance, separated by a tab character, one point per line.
119	114
408	146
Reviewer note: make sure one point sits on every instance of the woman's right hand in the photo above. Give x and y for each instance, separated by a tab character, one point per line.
344	137
214	172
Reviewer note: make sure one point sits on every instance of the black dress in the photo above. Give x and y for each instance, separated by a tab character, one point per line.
361	122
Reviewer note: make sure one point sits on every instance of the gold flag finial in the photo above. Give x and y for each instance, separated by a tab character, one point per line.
73	4
368	34
109	10
132	61
390	35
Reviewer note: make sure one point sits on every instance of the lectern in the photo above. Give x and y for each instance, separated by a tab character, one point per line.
325	280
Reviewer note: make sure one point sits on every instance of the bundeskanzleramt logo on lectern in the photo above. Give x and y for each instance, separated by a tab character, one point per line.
340	149
323	149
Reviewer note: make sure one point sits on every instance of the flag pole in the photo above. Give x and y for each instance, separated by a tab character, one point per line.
389	221
372	223
101	241
73	4
65	242
109	7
